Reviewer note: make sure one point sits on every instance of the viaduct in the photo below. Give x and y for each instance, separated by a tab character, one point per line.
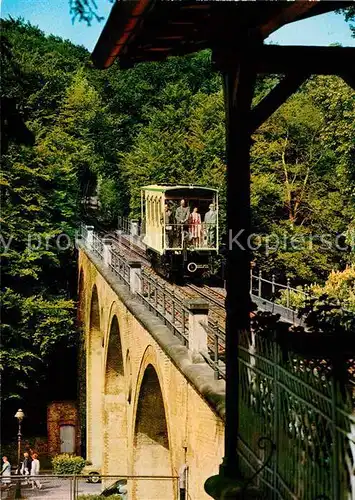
151	403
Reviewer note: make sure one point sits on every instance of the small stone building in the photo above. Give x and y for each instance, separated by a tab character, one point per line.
63	428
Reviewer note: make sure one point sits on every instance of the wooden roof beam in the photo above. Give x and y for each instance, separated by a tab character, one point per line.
303	59
276	97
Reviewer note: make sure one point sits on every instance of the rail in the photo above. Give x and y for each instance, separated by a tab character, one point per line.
97	245
119	266
77	487
216	342
285	295
166	305
132	227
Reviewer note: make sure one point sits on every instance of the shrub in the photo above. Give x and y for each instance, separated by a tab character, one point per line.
340	287
293	298
68	464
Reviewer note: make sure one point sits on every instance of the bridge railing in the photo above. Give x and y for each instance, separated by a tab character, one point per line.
130	227
118	264
124	224
216	343
165	304
97	245
83	233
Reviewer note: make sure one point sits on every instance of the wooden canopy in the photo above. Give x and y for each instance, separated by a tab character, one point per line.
151	30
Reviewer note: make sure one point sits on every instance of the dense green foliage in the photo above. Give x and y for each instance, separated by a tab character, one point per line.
68	464
112	132
39	194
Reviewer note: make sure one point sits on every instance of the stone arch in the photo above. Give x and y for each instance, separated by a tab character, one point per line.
93	377
115	417
151	443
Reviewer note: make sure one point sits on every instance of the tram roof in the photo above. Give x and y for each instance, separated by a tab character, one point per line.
151	30
164	188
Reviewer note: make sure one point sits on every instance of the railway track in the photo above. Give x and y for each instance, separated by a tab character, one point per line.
213	296
130	248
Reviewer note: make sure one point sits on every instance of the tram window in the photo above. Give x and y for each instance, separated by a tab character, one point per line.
155	212
148	209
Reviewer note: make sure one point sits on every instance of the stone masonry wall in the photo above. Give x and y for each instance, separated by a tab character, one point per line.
61	413
193	400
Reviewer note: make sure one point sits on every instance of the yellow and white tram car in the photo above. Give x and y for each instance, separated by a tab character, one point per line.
180	227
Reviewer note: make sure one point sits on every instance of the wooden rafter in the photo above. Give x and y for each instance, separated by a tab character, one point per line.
276	97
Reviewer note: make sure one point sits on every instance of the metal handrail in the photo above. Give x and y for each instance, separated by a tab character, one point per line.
119	265
83	233
97	245
166	305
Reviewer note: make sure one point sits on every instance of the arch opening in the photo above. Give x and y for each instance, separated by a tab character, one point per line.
151	441
115	420
114	377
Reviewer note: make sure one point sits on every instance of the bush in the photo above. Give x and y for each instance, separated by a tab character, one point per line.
340	287
68	464
293	298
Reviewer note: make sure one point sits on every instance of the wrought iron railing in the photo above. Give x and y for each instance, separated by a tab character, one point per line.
302	407
119	265
216	341
123	224
97	245
83	233
166	305
131	227
271	290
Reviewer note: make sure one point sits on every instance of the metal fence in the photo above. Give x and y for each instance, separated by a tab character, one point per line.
72	487
97	245
286	295
303	408
216	342
166	305
130	227
83	233
151	291
119	265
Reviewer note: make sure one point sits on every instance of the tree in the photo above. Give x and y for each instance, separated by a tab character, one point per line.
39	193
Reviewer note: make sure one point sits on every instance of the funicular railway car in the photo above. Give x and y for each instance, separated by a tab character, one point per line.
181	228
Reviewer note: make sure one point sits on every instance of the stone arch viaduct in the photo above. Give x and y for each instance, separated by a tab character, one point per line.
149	407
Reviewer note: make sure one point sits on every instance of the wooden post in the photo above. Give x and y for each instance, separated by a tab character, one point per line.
239	80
